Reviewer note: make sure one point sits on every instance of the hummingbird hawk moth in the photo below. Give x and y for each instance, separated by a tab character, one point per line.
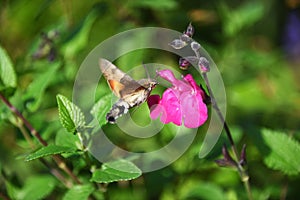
130	92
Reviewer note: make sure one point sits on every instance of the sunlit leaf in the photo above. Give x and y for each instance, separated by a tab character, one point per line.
154	4
67	140
71	117
120	170
282	152
79	192
37	187
49	150
8	79
101	108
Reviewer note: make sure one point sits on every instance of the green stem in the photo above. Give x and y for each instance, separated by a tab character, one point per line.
53	171
57	158
242	171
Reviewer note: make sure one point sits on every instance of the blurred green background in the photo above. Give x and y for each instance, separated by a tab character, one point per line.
255	44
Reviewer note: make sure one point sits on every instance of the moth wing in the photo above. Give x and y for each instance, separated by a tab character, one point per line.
120	83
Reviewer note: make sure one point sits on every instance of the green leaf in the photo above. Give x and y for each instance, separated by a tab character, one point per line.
8	79
79	192
35	91
70	115
281	152
79	38
49	150
101	108
12	191
204	191
245	16
67	140
120	170
154	4
37	187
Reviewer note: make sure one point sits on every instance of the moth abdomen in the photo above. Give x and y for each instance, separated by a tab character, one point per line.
120	108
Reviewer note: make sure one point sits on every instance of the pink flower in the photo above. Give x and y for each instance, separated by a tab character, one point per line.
182	102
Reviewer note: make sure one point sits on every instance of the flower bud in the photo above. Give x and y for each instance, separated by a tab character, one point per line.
183	64
203	65
195	46
190	30
227	161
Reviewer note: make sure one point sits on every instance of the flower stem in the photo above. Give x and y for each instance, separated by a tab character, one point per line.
52	170
242	171
57	158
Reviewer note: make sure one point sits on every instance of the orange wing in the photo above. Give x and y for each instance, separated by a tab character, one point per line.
120	83
116	87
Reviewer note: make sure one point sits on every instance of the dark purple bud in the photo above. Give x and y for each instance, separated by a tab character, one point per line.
52	54
190	30
203	65
183	64
227	161
226	154
243	159
46	48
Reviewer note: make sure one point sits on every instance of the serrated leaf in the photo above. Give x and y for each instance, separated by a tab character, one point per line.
8	79
37	187
70	115
120	170
101	108
49	150
282	152
79	192
35	91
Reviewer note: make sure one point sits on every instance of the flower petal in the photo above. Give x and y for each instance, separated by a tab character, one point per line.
167	75
194	85
172	112
194	111
182	102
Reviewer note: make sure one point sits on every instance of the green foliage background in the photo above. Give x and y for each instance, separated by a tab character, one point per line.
245	39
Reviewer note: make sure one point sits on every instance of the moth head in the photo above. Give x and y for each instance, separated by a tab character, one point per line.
148	83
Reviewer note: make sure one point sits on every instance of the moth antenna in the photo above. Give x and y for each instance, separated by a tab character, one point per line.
156	76
147	72
156	72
